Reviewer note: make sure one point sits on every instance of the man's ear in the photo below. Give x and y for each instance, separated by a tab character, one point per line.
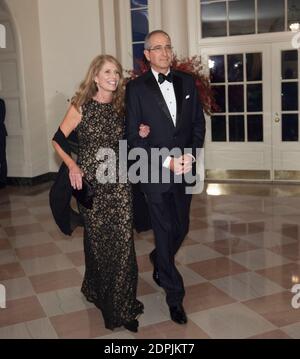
146	53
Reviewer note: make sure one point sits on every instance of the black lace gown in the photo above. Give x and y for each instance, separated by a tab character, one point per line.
111	272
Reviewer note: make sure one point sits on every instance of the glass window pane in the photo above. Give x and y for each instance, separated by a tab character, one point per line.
218	128
290	96
270	16
254	98
289	63
290	127
219	95
255	128
241	17
213	19
236	98
138	3
140	27
138	54
217	69
254	67
236	129
235	68
293	11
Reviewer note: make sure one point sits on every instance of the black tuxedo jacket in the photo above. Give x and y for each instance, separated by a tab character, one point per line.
145	104
3	131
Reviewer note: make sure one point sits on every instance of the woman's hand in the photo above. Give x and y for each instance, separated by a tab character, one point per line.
75	175
144	130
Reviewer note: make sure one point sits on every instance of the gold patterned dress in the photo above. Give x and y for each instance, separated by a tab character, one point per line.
111	272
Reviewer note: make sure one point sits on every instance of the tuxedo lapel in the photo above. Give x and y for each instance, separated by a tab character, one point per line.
177	83
154	88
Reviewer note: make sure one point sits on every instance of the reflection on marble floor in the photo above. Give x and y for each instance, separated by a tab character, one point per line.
239	262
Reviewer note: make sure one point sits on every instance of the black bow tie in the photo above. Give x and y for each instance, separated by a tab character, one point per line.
162	78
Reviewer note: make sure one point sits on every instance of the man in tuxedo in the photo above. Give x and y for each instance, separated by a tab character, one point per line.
3	134
167	101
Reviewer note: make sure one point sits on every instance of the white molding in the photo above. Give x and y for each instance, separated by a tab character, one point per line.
247	39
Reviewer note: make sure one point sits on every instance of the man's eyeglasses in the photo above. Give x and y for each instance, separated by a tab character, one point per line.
167	48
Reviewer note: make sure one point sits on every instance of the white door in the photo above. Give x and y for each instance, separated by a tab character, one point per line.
255	133
239	135
285	112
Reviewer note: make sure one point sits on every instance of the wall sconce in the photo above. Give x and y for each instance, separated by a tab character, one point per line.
295	27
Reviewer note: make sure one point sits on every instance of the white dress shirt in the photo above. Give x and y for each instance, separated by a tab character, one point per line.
167	90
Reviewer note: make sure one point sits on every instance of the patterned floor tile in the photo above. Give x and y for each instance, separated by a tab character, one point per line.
239	263
233	321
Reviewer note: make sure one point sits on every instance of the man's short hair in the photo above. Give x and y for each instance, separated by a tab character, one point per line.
148	37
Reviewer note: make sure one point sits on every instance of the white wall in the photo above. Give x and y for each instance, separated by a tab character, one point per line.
70	39
56	40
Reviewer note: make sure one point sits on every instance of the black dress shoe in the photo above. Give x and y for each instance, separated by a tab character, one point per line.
132	325
155	275
178	314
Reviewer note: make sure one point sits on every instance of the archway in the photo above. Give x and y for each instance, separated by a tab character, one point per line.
10	91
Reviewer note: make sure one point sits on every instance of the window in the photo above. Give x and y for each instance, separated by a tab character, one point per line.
139	26
241	17
236	80
293	11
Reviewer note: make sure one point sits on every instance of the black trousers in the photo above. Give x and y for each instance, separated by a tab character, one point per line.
3	163
169	214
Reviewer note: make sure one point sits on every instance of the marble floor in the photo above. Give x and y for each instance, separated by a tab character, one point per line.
239	262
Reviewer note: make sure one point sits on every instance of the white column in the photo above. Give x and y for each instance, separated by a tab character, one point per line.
174	22
193	28
154	8
108	27
123	28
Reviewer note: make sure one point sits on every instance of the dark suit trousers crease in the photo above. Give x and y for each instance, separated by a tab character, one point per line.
169	213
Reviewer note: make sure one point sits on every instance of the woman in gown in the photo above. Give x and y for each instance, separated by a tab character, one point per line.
97	115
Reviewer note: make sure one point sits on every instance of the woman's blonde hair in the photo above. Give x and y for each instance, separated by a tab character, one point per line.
88	88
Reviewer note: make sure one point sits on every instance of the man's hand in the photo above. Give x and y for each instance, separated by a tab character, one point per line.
181	165
144	130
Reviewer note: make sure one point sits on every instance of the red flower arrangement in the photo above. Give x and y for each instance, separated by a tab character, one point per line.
192	66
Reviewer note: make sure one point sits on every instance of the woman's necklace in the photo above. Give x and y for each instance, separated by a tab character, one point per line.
100	99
